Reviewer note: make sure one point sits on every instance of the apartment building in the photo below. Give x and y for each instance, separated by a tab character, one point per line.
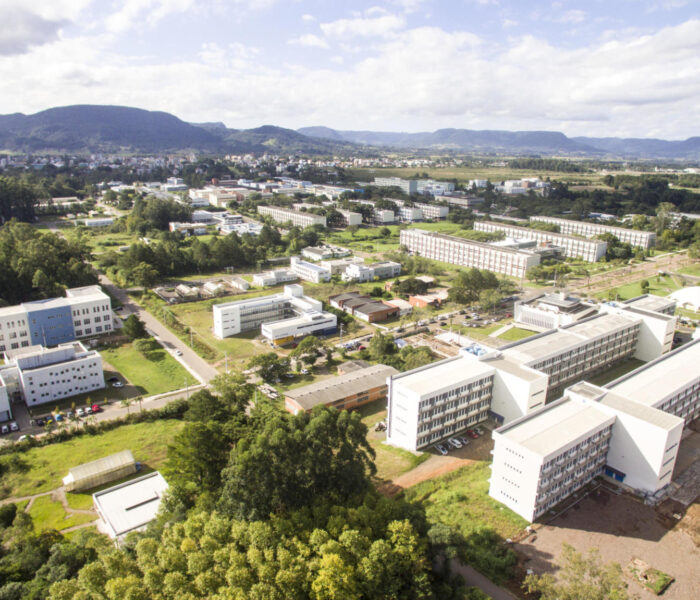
574	247
642	239
82	313
49	374
468	253
409	214
283	215
305	314
408	186
187	229
351	218
382	216
309	271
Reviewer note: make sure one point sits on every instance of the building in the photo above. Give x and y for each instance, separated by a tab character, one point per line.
346	391
84	312
433	211
409	214
275	277
363	306
338	266
468	253
187	229
129	506
430	187
461	200
660	304
375	271
351	218
324	252
424	300
96	222
549	311
98	472
240	228
407	186
283	215
404	306
309	271
382	216
350	366
575	247
642	239
688	297
239	283
5	406
280	316
44	375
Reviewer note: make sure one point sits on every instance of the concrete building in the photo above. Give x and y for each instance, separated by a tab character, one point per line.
363	307
408	186
338	266
382	216
461	200
309	271
240	228
275	277
187	229
129	506
549	311
96	222
642	239
665	305
351	218
347	391
324	252
283	215
380	270
468	253
433	211
45	375
409	214
574	247
82	313
280	316
5	406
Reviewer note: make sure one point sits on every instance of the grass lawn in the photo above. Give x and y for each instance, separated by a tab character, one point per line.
691	270
390	461
49	514
516	333
663	287
154	373
49	464
616	371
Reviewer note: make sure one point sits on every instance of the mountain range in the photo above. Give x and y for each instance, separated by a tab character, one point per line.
92	128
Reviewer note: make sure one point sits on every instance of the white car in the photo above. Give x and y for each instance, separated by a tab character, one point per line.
441	449
118	384
14	426
80	412
454	442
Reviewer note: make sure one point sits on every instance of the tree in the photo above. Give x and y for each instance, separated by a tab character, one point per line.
381	345
308	350
352	230
270	366
144	275
489	299
203	407
134	327
582	577
143	345
385	232
644	286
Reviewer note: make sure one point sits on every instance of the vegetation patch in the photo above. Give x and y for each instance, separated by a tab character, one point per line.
652	579
46	514
516	333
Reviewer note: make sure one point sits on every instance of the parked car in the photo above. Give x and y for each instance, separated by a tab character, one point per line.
22	438
69	414
178	353
462	439
441	449
472	434
118	384
454	442
14	426
96	408
4	429
80	412
478	431
304	371
58	417
88	410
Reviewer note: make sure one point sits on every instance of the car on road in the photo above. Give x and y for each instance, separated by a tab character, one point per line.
178	353
454	442
4	429
472	434
441	449
95	408
40	422
80	412
14	426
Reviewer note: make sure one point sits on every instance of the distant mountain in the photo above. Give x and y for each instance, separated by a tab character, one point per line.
518	142
92	128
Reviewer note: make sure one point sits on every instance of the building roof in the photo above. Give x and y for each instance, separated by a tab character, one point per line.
650	302
442	375
353	365
102	465
687	296
342	386
131	505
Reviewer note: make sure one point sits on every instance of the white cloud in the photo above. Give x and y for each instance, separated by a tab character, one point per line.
364	26
22	29
308	18
310	40
571	16
507	23
409	6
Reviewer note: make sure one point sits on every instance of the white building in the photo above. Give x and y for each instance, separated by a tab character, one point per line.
97	222
199	198
575	247
643	239
338	266
408	186
351	218
309	271
382	216
50	374
549	311
409	214
240	228
285	215
129	506
324	252
5	406
275	277
433	211
468	253
305	314
187	229
380	270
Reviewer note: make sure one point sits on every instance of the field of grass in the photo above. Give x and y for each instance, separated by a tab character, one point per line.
617	371
46	513
154	373
691	270
516	333
46	466
664	286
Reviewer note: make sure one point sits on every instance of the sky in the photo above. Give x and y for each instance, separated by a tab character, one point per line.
597	67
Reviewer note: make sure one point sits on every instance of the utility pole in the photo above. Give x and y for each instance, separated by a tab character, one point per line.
341	334
226	359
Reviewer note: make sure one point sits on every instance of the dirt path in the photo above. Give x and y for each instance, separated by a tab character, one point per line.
57	495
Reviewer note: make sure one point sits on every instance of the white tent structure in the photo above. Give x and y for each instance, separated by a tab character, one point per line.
688	297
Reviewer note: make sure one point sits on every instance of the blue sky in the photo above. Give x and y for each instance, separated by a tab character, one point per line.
616	67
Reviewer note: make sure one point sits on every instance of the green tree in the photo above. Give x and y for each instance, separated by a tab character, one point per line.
270	366
134	327
308	350
644	286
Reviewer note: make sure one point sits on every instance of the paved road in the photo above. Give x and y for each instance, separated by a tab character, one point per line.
472	577
194	363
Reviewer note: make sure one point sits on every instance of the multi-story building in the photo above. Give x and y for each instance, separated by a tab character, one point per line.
275	277
468	253
549	311
433	211
434	188
351	218
44	375
643	239
383	216
305	314
380	270
575	247
187	229
283	215
309	271
338	266
660	304
409	214
408	186
461	200
82	313
324	252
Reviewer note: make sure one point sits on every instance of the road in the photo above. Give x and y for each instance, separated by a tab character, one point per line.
194	363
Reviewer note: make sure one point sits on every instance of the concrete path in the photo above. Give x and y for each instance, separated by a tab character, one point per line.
473	578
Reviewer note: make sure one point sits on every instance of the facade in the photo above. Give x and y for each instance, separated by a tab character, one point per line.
380	270
283	215
49	374
643	239
324	252
409	214
382	216
461	200
286	331
309	271
129	506
5	406
338	266
187	229
660	304
433	211
275	277
82	313
347	391
351	218
549	311
408	186
363	306
575	247
468	253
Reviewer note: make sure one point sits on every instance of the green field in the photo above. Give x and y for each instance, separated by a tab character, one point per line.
155	373
661	286
691	270
616	371
516	333
49	514
46	466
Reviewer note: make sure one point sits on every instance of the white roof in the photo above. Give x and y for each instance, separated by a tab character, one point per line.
442	375
687	297
131	505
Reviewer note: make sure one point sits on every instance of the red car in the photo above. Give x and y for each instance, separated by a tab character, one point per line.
472	434
95	408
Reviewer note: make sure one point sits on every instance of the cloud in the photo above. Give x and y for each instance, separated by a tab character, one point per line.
409	6
364	26
308	18
22	30
507	23
571	16
309	40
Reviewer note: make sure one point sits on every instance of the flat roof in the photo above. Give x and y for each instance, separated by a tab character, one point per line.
513	367
554	234
610	227
443	374
658	379
465	241
336	388
650	302
372	307
309	317
601	324
555	426
542	345
641	411
312	266
133	504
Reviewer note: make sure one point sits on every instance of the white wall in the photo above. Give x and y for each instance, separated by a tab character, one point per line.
402	416
514	397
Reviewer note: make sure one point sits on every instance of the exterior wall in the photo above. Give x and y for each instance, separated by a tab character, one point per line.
514	397
284	215
433	211
236	317
409	186
285	331
467	253
351	218
91	315
49	326
14	329
309	271
643	239
5	407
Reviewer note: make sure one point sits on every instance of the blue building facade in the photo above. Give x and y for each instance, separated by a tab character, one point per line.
49	325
